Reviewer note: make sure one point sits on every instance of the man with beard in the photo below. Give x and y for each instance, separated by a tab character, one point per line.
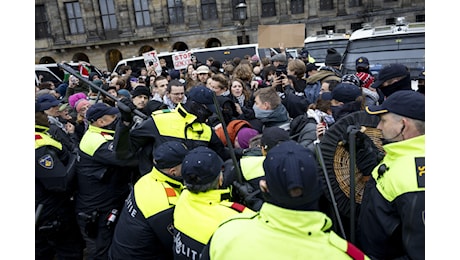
103	181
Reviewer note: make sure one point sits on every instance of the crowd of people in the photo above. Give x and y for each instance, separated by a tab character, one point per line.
199	163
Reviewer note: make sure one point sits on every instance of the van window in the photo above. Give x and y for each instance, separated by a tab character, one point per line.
47	76
404	48
226	53
317	45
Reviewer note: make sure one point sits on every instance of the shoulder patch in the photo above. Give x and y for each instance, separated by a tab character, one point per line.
238	207
46	161
162	111
420	171
354	252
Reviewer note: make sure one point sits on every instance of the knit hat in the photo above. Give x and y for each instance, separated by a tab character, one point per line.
366	79
346	92
279	57
333	58
75	97
80	104
169	154
287	166
140	90
351	78
391	71
244	135
201	166
232	128
125	93
271	136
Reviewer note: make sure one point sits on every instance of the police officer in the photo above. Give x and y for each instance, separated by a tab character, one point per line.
391	223
289	225
186	123
202	205
103	181
144	227
57	233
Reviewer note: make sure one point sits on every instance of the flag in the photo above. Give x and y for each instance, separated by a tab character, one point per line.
84	70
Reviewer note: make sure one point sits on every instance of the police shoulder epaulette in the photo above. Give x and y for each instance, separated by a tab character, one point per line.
161	111
170	192
346	246
236	206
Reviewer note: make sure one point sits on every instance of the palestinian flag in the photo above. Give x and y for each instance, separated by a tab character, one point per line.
84	70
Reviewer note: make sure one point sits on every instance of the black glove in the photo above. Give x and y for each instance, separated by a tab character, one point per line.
126	109
367	154
248	195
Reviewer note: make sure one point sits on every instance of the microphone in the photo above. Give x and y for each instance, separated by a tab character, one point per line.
400	133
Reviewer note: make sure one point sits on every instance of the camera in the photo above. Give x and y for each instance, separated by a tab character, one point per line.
281	70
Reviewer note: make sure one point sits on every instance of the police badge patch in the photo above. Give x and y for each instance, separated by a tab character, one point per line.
46	161
420	171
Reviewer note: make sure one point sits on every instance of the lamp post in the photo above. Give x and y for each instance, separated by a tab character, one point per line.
242	17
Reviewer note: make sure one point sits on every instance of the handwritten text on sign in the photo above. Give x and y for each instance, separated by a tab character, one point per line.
181	60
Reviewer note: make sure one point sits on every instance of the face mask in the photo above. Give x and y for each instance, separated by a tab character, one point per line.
403	84
113	125
200	111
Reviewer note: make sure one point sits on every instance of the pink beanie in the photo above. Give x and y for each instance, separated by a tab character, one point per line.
75	97
244	135
80	103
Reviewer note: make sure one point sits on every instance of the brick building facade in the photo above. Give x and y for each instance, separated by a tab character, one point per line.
103	32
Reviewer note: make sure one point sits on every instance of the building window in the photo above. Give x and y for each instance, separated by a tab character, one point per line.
420	18
141	9
268	8
356	26
297	6
326	5
176	11
390	21
355	3
234	11
74	17
41	23
208	9
109	19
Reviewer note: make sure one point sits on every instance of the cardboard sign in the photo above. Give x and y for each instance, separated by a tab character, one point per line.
182	59
151	59
291	35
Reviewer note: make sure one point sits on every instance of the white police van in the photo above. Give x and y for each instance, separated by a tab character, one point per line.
398	43
317	45
222	54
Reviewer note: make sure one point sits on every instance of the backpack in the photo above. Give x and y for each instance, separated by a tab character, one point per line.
297	124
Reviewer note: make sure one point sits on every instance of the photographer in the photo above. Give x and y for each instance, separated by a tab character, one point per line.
75	87
290	86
